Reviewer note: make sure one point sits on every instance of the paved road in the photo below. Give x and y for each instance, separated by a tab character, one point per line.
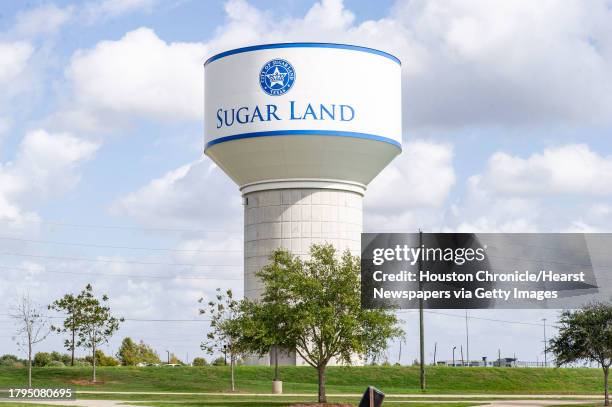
542	401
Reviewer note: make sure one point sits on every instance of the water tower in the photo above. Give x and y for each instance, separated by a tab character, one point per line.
302	128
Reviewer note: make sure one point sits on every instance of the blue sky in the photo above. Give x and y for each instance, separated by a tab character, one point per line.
507	127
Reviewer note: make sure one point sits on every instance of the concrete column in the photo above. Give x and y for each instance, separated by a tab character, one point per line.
294	219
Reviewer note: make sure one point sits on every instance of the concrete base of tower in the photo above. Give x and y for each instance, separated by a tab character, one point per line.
294	214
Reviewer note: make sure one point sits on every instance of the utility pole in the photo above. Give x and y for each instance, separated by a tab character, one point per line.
421	322
454	347
462	360
168	352
435	350
399	357
545	355
467	339
498	357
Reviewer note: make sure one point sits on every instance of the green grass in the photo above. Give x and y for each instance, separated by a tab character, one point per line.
10	404
225	403
578	405
392	379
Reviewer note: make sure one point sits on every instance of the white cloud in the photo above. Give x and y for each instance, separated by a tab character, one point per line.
14	57
46	19
194	196
555	190
46	165
421	176
464	63
140	75
570	169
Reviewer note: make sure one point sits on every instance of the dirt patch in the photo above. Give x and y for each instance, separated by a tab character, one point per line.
82	382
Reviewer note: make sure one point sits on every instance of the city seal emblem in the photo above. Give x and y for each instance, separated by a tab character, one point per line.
277	77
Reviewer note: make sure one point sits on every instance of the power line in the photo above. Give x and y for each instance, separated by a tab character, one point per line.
148	263
130	319
473	317
96	275
117	227
107	246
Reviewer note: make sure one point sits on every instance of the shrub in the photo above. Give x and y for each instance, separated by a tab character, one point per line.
102	359
66	359
8	360
199	362
220	361
81	362
42	359
55	363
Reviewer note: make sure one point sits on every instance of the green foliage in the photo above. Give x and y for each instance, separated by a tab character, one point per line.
585	335
199	362
96	323
102	359
220	361
72	307
9	360
42	359
314	307
224	331
130	353
55	363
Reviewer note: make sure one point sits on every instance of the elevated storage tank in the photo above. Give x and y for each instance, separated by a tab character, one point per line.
302	128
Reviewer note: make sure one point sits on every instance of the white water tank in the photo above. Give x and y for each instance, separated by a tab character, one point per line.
302	128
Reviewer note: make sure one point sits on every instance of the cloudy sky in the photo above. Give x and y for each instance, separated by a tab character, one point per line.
507	127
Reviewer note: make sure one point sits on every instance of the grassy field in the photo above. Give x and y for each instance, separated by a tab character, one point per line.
279	404
392	379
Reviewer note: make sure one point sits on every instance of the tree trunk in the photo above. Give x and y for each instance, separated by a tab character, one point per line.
232	364
29	364
606	386
94	360
322	396
276	378
72	347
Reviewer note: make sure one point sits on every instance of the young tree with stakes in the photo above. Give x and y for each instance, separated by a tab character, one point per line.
586	334
32	328
319	302
97	323
223	328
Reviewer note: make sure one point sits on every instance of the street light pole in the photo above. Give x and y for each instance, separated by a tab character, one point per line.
467	339
454	347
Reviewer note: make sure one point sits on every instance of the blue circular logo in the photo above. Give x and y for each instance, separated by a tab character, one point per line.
277	77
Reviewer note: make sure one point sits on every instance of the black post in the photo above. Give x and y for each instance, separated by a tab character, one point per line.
421	322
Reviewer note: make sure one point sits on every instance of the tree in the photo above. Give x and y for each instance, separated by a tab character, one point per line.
147	354
102	359
319	302
42	359
585	334
130	353
72	307
199	362
223	329
97	325
33	327
9	360
261	323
